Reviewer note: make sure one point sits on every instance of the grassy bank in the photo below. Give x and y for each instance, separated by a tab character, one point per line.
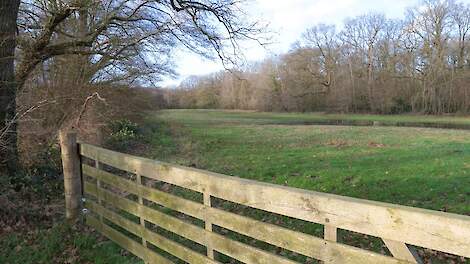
252	117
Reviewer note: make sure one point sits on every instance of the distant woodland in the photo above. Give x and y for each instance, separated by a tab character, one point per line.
420	63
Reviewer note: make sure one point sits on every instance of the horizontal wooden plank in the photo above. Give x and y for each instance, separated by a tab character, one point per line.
153	169
126	243
161	242
298	242
162	198
220	243
244	252
425	228
186	230
304	244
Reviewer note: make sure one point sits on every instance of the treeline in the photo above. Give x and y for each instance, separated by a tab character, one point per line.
373	64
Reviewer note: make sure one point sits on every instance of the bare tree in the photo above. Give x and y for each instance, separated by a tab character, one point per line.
431	22
363	34
461	19
323	37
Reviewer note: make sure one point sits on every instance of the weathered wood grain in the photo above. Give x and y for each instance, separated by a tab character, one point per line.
220	243
71	168
331	233
208	224
162	198
295	241
141	201
304	244
127	243
440	231
98	184
161	242
401	251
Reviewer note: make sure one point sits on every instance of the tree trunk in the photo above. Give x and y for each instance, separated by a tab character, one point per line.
370	80
8	143
353	88
461	62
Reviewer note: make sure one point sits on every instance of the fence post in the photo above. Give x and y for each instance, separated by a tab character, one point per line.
98	187
208	224
72	173
331	233
141	202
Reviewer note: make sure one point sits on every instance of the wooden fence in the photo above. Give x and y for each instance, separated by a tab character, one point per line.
109	195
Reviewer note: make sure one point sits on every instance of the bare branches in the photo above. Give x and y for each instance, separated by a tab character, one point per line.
121	31
85	106
10	125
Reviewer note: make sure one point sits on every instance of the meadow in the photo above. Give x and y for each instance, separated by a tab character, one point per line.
425	167
420	167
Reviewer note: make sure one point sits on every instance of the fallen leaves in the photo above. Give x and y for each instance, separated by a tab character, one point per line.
338	143
376	145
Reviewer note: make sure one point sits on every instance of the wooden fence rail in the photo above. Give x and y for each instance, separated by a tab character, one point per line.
109	195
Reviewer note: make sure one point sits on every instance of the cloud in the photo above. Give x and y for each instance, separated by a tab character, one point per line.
291	18
189	64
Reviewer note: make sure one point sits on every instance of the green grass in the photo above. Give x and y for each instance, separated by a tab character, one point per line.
299	118
61	244
33	229
421	167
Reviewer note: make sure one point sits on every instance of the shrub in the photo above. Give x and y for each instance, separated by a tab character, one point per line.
400	106
123	133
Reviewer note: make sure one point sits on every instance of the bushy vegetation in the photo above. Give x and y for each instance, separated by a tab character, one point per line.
63	243
32	225
123	133
32	201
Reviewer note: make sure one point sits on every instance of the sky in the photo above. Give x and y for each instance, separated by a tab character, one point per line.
289	19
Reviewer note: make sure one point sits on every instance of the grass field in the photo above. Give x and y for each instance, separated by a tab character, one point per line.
421	167
253	117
